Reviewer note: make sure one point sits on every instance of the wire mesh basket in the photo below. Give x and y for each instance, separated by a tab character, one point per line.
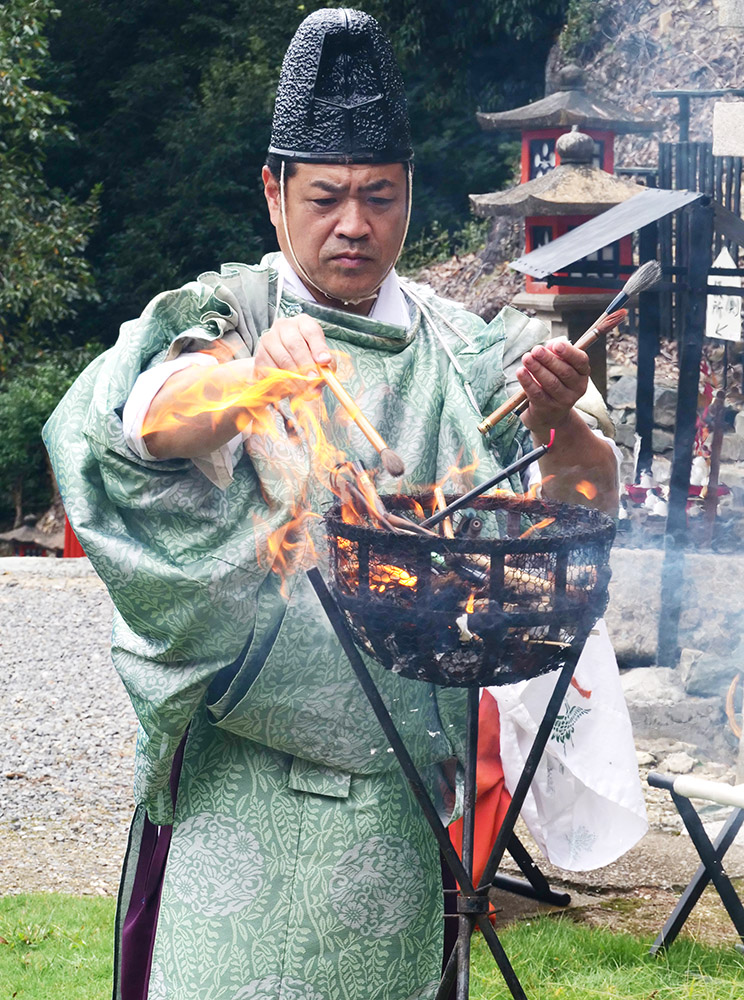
502	606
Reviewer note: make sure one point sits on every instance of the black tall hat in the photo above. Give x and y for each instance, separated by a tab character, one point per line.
340	97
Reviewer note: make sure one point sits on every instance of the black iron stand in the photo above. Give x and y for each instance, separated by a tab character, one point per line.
472	903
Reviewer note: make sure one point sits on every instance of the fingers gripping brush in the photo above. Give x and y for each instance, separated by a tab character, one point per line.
391	461
642	280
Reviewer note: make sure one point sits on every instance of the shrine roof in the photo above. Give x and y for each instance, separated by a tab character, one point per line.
564	108
648	206
569	189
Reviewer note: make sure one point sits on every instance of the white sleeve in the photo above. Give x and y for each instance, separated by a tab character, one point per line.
143	392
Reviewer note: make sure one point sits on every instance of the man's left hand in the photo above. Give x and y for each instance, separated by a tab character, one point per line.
554	377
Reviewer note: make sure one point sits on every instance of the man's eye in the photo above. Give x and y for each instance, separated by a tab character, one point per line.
380	202
324	202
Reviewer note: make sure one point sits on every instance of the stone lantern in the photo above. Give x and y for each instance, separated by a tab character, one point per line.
552	204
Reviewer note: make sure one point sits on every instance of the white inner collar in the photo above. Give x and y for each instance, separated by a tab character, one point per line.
389	306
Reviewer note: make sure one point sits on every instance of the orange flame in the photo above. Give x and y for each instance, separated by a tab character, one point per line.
255	407
290	404
586	489
537	527
470	606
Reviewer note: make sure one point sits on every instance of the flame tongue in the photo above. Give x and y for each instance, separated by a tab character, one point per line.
586	489
545	523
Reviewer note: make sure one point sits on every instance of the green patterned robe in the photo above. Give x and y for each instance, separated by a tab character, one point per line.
300	866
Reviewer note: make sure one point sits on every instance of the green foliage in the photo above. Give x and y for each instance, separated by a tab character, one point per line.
56	946
28	394
42	231
172	100
438	244
582	32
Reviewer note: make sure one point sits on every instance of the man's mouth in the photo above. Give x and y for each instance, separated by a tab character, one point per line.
351	259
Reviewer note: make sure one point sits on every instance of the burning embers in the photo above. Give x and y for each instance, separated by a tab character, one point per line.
519	583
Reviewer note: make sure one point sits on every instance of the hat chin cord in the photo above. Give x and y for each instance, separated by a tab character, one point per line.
301	270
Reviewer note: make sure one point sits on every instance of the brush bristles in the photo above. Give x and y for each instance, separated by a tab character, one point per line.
392	462
647	275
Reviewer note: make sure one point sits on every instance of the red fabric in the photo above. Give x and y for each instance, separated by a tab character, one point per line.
73	549
493	799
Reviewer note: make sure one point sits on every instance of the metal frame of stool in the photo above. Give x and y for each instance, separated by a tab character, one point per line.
473	903
711	869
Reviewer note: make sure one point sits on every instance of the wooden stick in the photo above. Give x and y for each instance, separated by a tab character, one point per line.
441	503
603	325
390	459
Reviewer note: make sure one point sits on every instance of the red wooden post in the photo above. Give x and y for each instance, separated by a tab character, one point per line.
73	549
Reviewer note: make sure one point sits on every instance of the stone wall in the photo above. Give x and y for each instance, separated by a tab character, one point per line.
710	632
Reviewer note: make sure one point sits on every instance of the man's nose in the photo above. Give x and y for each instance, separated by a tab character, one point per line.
352	222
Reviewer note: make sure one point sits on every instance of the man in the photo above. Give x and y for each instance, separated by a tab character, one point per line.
276	850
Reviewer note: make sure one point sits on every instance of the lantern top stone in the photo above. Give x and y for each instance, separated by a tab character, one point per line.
573	104
575	147
576	187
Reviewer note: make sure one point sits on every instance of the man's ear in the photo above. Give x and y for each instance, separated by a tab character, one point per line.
271	193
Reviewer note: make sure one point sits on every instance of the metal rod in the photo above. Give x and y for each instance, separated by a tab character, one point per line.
699	232
510	470
336	619
449	975
468	838
648	348
340	627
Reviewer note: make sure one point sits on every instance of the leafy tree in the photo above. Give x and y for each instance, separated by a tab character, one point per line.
28	395
172	100
42	231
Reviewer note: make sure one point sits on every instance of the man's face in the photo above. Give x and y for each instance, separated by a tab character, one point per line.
346	224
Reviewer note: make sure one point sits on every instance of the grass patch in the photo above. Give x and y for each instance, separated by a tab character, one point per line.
61	946
557	959
56	946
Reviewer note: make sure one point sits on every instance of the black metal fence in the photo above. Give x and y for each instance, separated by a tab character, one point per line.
692	166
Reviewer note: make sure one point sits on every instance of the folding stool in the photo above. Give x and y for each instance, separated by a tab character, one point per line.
682	788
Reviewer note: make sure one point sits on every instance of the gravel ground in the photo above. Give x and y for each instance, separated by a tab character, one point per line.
68	732
67	747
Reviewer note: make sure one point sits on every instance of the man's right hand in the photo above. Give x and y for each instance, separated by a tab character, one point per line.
295	344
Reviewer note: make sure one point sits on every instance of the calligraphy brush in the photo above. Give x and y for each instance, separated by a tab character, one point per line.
392	462
642	280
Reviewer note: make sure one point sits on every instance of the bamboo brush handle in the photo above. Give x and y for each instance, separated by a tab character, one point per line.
519	402
352	409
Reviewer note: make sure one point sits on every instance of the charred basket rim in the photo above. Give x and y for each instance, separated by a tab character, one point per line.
408	638
584	526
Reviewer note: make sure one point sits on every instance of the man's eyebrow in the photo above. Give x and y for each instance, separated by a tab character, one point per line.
330	188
